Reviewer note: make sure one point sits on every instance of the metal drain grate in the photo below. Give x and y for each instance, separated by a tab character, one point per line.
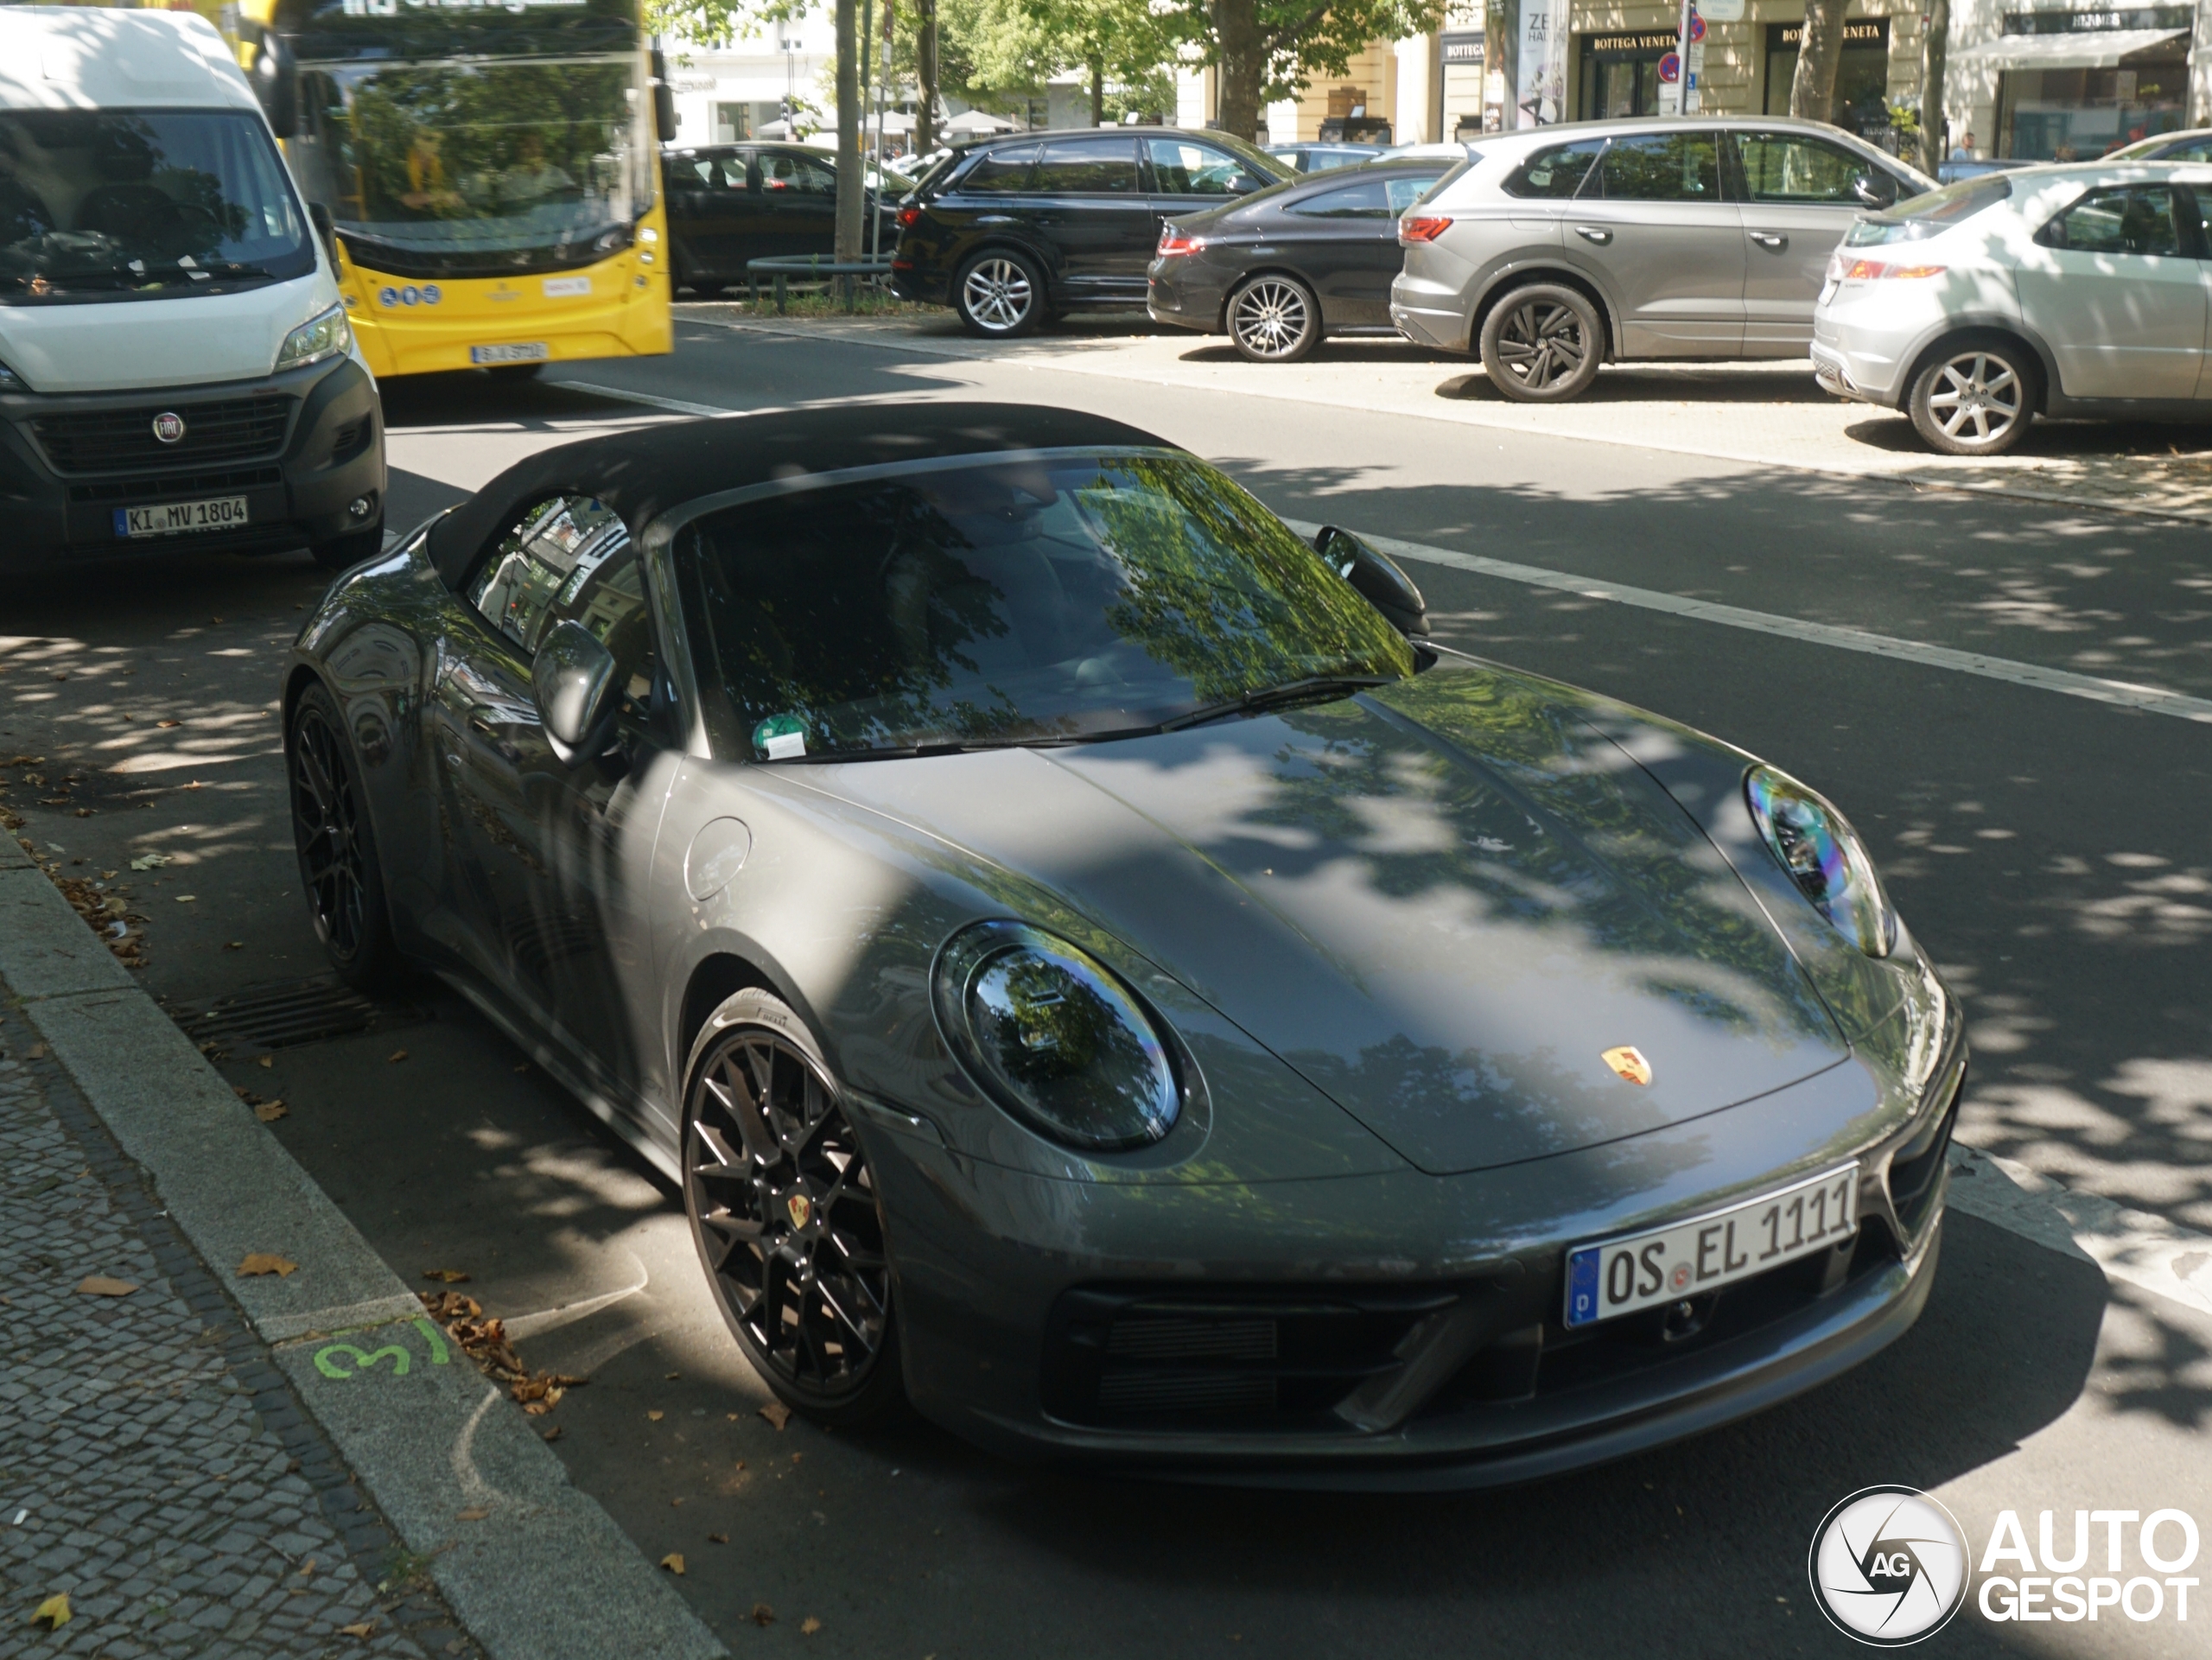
287	1015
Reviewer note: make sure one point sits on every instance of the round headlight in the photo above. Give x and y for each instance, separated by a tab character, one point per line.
1050	1033
1824	856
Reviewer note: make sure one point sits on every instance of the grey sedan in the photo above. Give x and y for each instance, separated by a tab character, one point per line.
1091	968
1557	250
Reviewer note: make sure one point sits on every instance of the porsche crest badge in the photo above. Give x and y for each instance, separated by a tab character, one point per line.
1629	1062
801	1208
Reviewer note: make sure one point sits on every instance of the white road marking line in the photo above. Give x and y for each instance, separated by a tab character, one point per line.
675	405
2122	694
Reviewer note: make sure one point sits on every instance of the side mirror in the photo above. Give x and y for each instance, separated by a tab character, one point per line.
1376	578
276	84
326	228
666	119
1875	189
573	684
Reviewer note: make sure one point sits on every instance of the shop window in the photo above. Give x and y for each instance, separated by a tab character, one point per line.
1620	74
2077	115
1862	73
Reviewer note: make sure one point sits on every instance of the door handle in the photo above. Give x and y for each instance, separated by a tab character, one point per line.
1773	241
479	720
1597	233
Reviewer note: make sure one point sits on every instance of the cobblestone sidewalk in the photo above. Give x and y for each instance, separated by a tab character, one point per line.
155	1467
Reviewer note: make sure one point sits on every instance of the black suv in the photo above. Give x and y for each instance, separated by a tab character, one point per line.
1015	230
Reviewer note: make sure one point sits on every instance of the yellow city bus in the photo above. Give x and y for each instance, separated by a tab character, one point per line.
491	168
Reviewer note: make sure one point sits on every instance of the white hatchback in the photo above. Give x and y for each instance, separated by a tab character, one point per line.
2079	290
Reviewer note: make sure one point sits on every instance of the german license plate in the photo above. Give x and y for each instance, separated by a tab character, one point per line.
1618	1276
535	352
216	513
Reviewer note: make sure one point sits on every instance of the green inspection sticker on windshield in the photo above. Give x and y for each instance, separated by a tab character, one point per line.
780	737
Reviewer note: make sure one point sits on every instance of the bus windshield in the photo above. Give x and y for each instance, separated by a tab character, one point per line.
481	167
98	205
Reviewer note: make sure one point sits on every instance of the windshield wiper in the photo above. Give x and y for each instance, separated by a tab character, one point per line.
1315	689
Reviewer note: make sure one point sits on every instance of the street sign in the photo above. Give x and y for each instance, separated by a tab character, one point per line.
1697	62
1722	12
1670	99
1670	71
1697	27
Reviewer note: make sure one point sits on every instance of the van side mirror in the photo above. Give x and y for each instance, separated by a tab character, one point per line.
572	681
326	228
666	119
276	84
1376	578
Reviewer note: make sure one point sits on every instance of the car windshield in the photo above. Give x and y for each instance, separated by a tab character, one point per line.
142	204
1932	213
478	167
1051	600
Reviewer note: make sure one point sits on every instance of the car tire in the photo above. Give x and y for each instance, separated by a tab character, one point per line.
343	552
1273	319
1000	294
1543	344
337	848
785	1217
1974	396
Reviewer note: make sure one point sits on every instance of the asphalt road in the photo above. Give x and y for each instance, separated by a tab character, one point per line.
2050	850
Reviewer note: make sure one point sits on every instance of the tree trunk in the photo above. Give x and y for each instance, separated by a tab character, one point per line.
1935	47
1097	94
850	186
926	75
1812	91
1243	71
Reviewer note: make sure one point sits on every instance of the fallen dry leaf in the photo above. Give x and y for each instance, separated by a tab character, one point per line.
150	861
166	725
395	1057
237	946
54	1610
673	1562
270	1111
266	1060
364	1630
777	1413
99	1285
267	1261
36	1052
807	1626
718	1538
655	1417
307	1568
554	1433
188	899
676	1504
446	1275
673	1376
763	1615
473	1513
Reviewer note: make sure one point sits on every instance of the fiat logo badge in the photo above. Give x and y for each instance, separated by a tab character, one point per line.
169	426
801	1208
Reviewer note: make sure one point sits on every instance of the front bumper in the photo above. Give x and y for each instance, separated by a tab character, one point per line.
300	446
1395	1331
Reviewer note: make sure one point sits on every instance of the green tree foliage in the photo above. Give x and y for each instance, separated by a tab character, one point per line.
1010	45
1269	49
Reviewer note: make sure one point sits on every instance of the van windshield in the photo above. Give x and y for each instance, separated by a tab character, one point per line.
104	205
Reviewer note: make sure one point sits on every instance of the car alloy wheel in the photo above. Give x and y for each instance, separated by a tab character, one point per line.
784	1210
1541	344
1973	401
336	845
998	296
1273	320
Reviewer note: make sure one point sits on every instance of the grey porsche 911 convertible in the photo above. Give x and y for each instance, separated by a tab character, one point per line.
1098	973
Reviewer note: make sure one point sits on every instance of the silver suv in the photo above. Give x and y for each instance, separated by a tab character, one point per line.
1558	249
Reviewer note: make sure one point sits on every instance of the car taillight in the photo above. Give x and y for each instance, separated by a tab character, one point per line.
1873	270
1414	228
1172	241
909	217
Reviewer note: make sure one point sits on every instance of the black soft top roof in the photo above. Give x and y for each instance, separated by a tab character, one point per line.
642	474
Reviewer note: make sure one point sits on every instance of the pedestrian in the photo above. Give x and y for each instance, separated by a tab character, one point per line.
1964	151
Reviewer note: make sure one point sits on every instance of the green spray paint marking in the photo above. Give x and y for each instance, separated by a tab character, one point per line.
328	1363
437	1343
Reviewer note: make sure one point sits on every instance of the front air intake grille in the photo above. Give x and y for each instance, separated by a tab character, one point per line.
109	441
174	486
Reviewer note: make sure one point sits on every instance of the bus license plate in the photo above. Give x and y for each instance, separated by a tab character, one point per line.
537	351
216	513
1619	1277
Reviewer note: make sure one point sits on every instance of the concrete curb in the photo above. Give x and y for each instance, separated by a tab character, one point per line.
544	1573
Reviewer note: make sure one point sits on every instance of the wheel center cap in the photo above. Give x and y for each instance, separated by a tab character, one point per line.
801	1208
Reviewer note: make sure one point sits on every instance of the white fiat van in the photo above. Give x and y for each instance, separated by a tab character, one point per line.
175	366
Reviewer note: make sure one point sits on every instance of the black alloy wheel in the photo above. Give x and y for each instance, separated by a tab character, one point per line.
1274	319
1541	344
999	295
336	846
785	1213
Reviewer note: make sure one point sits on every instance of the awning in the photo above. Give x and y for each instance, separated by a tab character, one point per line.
2100	49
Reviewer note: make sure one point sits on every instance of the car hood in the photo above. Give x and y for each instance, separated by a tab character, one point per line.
1441	904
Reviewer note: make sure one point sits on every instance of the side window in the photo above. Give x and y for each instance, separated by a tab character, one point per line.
546	559
1001	171
1668	167
1788	168
1183	168
2122	219
1556	172
798	175
1088	166
1404	193
2198	150
1367	200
